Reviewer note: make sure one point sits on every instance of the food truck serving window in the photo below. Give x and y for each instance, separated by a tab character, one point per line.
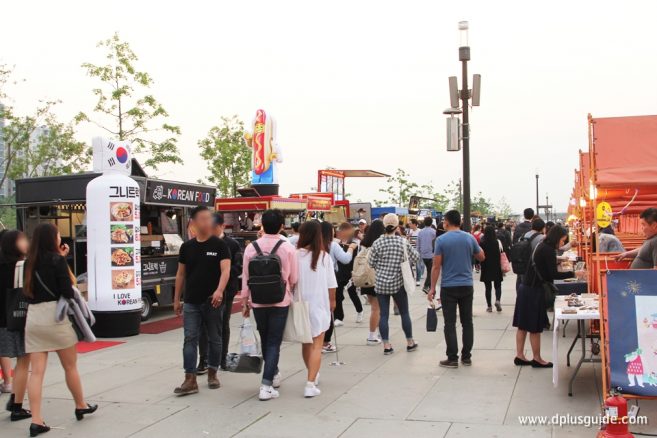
171	193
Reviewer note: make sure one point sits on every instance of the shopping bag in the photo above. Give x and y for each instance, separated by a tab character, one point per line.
249	359
408	273
504	260
297	326
16	302
432	318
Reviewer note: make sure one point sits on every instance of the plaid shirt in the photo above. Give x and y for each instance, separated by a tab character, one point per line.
386	257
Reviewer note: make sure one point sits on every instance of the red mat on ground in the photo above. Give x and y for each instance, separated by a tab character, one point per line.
164	325
161	326
87	347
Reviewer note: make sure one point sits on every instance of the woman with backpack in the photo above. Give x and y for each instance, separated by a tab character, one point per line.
373	232
316	284
386	257
491	267
13	249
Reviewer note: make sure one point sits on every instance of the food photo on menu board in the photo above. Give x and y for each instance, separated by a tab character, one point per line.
121	211
123	279
122	233
123	256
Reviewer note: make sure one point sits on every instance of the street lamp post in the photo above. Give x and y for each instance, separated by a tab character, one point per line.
537	212
458	135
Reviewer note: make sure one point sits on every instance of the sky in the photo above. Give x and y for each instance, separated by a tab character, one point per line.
360	84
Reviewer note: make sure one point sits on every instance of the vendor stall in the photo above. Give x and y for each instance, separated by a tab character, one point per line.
164	207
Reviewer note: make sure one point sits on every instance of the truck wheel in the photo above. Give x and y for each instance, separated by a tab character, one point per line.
146	307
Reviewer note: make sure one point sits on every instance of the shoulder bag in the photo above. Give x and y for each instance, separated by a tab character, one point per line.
76	328
504	260
549	289
407	271
16	302
297	326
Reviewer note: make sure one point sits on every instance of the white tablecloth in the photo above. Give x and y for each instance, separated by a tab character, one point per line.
559	316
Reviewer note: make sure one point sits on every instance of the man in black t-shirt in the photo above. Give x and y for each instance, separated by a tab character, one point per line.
234	284
204	271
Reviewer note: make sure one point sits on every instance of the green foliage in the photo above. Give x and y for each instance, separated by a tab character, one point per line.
440	201
28	154
482	206
128	111
398	191
7	214
227	156
503	209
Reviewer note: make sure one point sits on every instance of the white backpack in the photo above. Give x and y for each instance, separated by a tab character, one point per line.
363	275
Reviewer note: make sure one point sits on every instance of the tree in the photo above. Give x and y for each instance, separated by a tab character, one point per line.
399	189
440	200
482	206
37	144
228	157
503	209
454	195
128	111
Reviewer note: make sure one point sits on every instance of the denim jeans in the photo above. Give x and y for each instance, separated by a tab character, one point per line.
428	263
271	323
229	296
401	299
419	270
461	297
195	317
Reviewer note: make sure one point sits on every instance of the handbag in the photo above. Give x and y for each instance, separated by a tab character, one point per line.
550	291
297	326
504	260
16	303
432	318
79	333
407	272
248	360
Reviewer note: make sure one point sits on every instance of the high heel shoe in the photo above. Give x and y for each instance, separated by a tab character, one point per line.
38	429
80	413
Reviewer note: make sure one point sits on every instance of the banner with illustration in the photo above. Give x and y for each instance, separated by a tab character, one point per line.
632	331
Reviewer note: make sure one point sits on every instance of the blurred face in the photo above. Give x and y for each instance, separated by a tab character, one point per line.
22	244
562	241
649	229
219	230
361	227
59	240
413	226
203	223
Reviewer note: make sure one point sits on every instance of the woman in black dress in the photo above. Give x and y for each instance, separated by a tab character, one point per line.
530	314
491	268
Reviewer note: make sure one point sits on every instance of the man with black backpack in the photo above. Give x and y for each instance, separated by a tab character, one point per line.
521	229
521	252
270	271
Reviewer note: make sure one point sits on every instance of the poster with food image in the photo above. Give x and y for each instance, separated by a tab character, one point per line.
123	256
122	233
122	211
123	279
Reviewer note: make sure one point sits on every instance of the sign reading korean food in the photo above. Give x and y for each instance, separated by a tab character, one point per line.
113	225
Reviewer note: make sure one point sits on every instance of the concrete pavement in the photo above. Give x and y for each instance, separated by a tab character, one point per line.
372	395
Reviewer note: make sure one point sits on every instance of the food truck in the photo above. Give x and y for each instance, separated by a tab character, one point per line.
164	207
242	214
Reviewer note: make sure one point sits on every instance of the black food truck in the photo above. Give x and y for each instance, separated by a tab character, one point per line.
165	205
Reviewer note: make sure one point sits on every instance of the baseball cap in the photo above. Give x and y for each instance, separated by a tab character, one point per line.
362	221
390	220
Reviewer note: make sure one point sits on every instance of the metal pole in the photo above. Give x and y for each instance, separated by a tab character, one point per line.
537	211
464	57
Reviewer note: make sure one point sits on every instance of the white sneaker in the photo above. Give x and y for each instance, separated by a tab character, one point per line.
267	393
329	348
338	323
417	283
359	317
311	390
277	380
6	388
373	342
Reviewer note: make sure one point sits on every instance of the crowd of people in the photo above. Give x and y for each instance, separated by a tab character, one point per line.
317	264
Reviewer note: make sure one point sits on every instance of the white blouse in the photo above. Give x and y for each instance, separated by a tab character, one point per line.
314	286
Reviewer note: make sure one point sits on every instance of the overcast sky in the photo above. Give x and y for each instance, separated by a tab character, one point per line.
361	84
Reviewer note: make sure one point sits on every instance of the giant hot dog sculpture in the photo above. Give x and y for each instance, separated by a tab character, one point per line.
262	140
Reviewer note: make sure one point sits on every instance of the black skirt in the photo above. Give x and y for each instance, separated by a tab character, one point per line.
530	313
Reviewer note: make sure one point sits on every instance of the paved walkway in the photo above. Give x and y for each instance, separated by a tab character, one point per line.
372	395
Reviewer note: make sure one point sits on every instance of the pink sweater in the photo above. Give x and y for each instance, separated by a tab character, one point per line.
288	256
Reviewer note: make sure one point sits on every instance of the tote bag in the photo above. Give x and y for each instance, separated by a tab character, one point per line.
297	326
407	272
504	260
16	302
